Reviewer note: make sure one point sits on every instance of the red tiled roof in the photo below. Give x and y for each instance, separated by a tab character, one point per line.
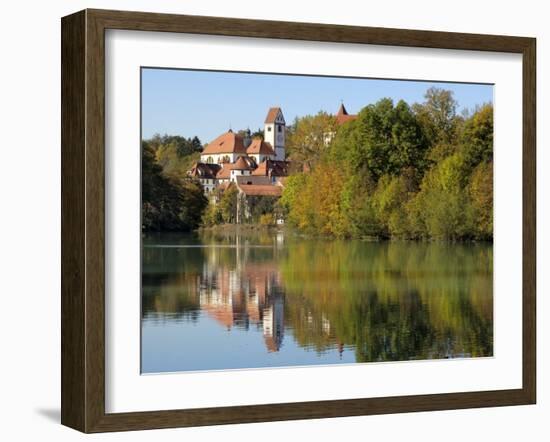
261	170
271	168
341	119
251	179
240	164
260	189
224	169
259	146
342	110
228	142
272	115
204	170
225	172
342	116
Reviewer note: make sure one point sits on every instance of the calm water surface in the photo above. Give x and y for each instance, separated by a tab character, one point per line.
230	301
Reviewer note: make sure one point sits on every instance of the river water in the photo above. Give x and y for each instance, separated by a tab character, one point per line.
233	301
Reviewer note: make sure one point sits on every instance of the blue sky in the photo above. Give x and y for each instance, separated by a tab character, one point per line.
206	104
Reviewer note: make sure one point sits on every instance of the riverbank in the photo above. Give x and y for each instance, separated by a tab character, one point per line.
255	229
247	229
241	228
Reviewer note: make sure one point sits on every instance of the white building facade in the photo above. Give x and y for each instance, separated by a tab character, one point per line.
275	132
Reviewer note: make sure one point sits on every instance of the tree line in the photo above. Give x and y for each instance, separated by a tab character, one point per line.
396	171
170	200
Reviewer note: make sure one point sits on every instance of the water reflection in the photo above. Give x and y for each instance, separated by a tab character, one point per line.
239	301
250	296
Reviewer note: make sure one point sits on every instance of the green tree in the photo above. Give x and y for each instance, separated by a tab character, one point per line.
212	215
442	203
262	206
168	204
193	204
175	154
477	137
308	137
438	117
395	171
389	204
295	207
228	204
481	193
385	139
358	204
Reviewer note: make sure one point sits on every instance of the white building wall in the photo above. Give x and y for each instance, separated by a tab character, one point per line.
218	158
259	158
275	133
236	173
208	185
269	133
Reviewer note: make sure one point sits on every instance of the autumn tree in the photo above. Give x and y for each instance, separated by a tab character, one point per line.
480	190
175	154
397	171
309	136
228	204
477	137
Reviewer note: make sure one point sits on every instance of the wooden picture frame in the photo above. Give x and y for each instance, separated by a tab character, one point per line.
83	220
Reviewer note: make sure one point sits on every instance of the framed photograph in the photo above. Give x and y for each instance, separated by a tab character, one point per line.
266	220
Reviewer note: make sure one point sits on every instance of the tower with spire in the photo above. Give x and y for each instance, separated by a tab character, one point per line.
274	132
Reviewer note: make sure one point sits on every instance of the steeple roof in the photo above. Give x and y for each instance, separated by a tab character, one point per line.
342	110
342	116
272	115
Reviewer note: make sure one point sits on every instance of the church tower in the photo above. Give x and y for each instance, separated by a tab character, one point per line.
274	132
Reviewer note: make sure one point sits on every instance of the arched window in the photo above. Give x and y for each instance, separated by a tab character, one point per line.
210	160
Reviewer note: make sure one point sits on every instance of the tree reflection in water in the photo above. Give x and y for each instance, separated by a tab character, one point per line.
384	301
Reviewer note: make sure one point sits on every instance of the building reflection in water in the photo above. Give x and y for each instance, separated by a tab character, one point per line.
248	296
287	302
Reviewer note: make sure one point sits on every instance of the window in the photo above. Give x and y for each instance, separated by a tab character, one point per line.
269	129
279	128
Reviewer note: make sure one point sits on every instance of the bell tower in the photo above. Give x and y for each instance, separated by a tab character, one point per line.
274	132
